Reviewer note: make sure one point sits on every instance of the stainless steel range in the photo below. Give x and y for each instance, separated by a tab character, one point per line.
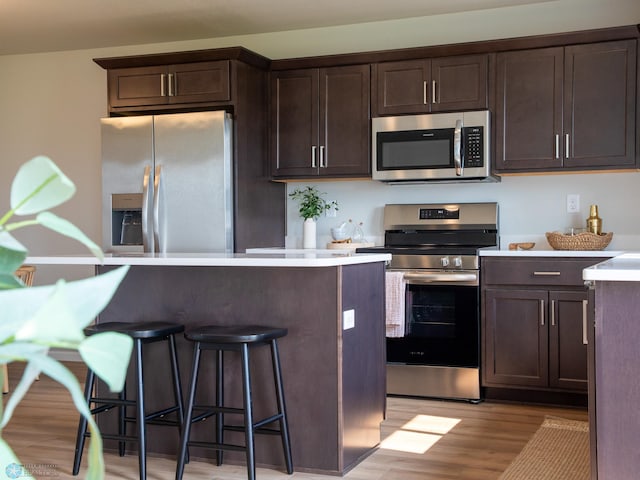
433	349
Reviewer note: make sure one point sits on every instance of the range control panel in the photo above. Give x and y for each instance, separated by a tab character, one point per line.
439	213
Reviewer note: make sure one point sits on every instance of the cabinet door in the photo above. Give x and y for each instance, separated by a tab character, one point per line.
403	87
600	104
199	82
294	122
515	338
459	83
567	340
529	109
132	87
344	121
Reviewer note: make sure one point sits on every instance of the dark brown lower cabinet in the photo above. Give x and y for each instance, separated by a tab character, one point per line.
534	324
534	338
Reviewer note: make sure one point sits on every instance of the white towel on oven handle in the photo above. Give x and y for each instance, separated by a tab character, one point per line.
395	286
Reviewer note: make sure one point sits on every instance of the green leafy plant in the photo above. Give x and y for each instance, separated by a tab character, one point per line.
312	205
36	319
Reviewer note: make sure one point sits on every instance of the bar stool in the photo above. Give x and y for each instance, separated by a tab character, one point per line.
142	333
242	339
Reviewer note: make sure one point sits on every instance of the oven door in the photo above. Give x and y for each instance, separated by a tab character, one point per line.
442	320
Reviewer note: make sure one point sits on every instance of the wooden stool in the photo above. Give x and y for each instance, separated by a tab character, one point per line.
24	273
142	333
242	339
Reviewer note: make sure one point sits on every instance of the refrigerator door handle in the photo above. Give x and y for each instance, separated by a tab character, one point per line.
156	209
145	207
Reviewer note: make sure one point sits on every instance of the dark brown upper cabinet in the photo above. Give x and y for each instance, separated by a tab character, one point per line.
232	78
431	85
566	108
320	122
184	83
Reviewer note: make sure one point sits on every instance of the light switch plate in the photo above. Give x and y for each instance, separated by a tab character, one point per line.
348	319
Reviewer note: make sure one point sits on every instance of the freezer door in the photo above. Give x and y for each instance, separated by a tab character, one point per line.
127	151
193	176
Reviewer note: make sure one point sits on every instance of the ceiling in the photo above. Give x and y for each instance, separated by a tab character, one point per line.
31	26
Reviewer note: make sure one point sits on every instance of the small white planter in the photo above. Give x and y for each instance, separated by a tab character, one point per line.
309	233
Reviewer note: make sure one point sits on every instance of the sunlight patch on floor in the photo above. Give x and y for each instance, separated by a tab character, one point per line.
419	434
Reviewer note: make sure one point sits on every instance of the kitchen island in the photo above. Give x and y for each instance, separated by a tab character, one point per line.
614	422
333	358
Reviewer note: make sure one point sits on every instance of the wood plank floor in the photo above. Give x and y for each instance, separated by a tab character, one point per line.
461	440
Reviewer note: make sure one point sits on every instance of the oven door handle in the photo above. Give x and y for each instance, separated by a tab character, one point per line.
467	278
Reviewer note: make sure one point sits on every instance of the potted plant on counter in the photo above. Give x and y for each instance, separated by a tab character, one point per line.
35	319
312	205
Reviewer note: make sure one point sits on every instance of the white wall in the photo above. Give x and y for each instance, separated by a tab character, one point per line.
50	104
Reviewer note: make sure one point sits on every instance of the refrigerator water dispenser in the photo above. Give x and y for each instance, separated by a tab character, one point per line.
126	219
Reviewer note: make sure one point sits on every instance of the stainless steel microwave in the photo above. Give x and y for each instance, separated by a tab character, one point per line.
448	147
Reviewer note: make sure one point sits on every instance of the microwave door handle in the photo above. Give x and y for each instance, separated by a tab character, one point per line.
457	148
145	208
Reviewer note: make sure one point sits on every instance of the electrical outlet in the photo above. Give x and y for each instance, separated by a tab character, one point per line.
573	203
331	212
348	319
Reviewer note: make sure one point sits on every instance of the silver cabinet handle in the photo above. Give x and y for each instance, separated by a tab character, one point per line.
566	146
542	313
323	161
553	313
162	90
424	92
457	148
546	274
585	338
433	92
171	86
145	208
557	146
313	156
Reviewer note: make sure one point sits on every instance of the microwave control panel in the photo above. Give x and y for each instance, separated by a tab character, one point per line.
473	147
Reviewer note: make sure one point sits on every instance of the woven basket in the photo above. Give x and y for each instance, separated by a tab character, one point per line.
580	241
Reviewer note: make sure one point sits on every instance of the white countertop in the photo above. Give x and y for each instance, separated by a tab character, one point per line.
492	252
281	258
623	268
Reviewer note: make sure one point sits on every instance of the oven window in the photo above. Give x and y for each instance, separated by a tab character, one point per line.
442	327
415	149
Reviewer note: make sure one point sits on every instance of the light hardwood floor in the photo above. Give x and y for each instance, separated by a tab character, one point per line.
484	440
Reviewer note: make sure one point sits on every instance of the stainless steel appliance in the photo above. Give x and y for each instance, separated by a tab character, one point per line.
445	147
167	183
435	246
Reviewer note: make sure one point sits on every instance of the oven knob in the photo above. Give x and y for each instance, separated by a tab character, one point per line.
457	262
444	261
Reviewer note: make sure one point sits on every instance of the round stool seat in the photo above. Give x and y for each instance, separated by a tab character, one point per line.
234	334
140	330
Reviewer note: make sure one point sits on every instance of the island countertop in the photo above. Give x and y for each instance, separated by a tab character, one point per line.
284	258
623	268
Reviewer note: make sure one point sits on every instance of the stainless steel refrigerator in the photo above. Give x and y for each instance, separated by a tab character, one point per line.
167	183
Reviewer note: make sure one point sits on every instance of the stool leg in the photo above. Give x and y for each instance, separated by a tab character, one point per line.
122	422
282	409
142	424
248	413
177	387
219	403
82	425
186	426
